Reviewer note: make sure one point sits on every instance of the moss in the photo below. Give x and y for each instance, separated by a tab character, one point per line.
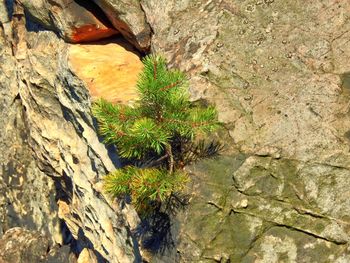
219	170
272	199
319	227
308	246
266	184
345	79
235	237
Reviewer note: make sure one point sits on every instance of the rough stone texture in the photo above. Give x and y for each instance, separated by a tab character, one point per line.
75	21
278	73
274	210
27	195
58	127
87	256
65	141
128	17
110	69
19	245
274	68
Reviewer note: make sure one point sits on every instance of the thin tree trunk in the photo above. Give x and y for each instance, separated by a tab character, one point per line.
169	152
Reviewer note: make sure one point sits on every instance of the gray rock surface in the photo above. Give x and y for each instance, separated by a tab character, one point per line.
274	69
278	73
128	17
27	195
19	245
49	108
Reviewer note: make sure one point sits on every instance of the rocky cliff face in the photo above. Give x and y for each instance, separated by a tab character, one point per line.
278	72
52	179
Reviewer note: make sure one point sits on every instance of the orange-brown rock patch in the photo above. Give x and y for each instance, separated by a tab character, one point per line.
89	33
110	70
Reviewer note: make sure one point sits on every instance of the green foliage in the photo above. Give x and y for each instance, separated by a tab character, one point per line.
147	187
153	127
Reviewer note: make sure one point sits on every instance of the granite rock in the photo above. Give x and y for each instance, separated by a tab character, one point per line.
19	245
277	72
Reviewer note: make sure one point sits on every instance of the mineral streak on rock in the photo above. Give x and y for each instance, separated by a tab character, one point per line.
88	33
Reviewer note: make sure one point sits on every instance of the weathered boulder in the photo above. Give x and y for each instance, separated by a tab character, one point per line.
82	21
109	69
277	72
75	21
128	17
19	245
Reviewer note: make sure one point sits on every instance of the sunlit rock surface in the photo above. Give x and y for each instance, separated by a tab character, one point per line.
52	167
278	72
110	69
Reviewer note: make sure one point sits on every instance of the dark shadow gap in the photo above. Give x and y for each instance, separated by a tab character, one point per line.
9	7
158	231
95	10
119	40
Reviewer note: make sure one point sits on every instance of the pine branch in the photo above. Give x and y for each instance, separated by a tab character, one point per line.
172	85
155	69
169	152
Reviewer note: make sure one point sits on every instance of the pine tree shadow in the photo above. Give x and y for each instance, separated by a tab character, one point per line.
187	151
155	232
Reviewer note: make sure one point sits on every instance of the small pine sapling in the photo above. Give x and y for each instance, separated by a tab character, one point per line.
151	129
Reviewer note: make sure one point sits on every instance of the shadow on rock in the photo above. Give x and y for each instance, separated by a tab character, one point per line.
156	232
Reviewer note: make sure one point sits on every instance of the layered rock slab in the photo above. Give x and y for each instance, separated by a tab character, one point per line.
261	209
66	145
19	245
109	69
63	144
27	196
